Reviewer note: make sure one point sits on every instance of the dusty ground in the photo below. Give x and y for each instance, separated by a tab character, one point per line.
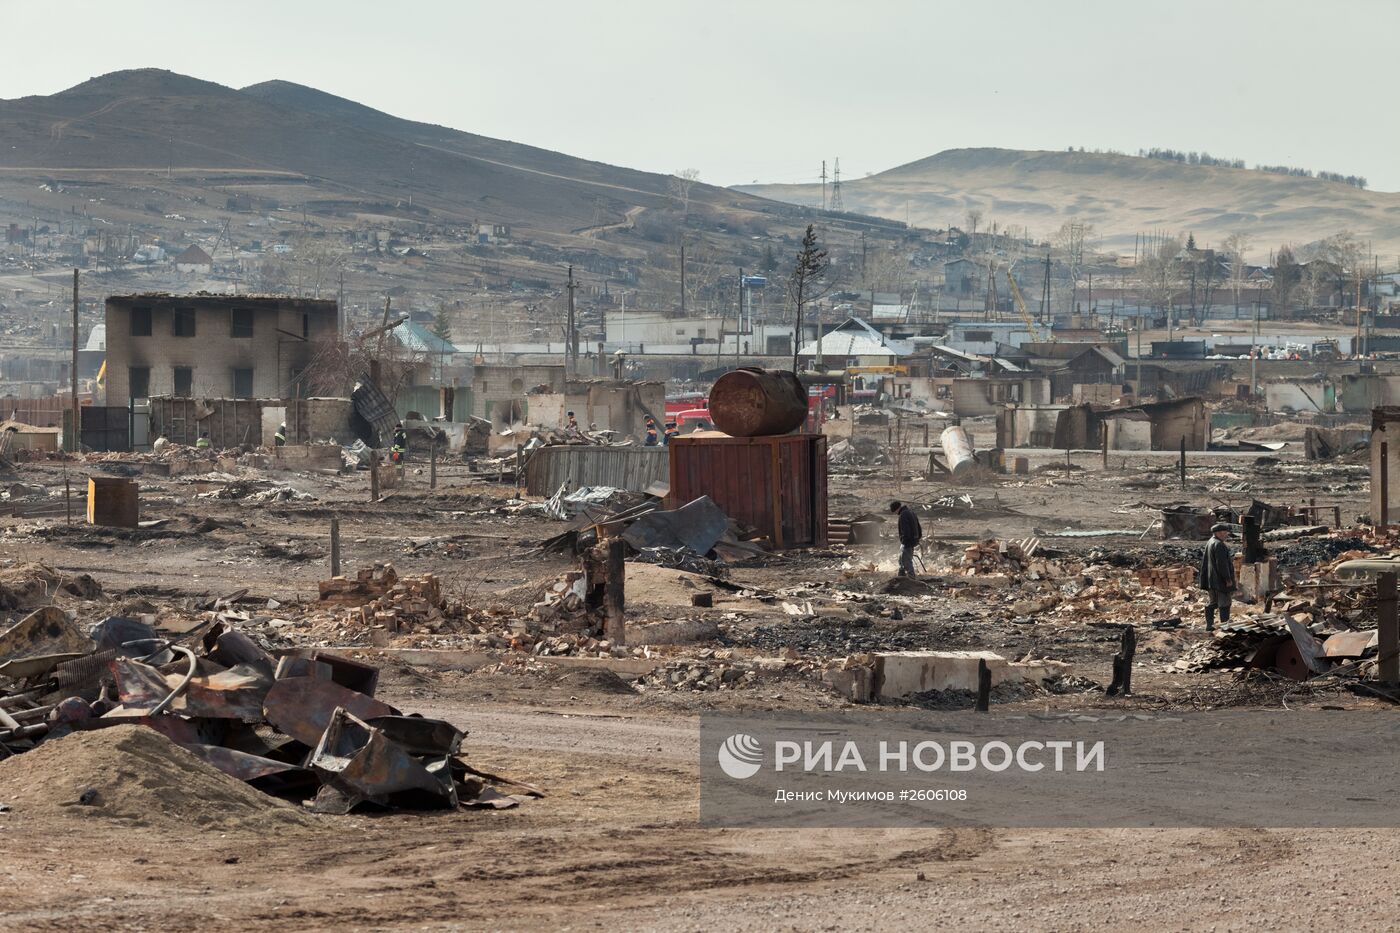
615	843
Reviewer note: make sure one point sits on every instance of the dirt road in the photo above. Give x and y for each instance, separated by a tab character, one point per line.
615	845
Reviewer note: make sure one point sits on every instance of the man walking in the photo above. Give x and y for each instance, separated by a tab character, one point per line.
1217	576
910	534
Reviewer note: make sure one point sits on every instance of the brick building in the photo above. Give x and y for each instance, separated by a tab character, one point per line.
212	346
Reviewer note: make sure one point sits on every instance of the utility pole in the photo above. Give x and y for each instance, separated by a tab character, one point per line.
682	279
864	251
1045	291
836	188
571	338
77	411
823	184
1254	352
739	330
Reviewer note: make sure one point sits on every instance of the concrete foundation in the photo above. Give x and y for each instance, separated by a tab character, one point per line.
899	674
307	458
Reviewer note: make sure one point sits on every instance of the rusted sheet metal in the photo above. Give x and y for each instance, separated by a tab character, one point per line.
248	767
177	729
361	764
232	647
236	693
303	707
752	402
421	736
45	631
1350	644
777	485
632	468
696	525
350	674
139	686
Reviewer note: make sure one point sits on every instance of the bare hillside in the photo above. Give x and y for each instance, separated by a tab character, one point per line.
150	119
1119	195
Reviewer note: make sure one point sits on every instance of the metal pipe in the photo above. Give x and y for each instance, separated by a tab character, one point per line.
180	687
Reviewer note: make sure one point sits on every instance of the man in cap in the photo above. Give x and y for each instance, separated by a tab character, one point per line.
910	534
1217	576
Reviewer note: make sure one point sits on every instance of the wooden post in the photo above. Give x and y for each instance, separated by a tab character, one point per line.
1067	463
984	686
1103	437
432	465
374	476
335	546
1387	630
1385	485
68	499
1183	461
615	596
1336	516
77	444
1122	684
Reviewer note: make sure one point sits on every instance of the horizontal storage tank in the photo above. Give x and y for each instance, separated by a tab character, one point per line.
758	402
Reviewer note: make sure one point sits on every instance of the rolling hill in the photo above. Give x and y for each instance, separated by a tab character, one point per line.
149	119
1120	195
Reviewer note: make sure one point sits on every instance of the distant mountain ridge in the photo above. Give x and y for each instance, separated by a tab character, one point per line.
1120	195
150	118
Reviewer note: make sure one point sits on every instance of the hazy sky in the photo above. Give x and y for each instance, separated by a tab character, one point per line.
765	89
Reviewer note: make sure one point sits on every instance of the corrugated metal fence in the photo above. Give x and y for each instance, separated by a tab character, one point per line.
631	468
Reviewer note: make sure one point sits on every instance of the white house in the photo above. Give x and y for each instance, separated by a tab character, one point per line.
194	260
856	343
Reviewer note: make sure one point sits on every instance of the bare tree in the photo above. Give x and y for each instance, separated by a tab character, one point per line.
1350	254
807	283
1234	248
974	217
336	364
1159	273
1286	278
680	184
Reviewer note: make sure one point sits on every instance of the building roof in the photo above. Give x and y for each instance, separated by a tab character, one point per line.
889	311
854	337
415	337
194	256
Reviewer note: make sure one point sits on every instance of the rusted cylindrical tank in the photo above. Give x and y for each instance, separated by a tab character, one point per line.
758	402
957	447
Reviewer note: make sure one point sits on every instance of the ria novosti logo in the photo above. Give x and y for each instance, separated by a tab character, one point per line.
741	756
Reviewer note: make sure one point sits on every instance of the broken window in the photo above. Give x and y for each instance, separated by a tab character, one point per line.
241	323
184	381
242	383
140	322
306	327
138	380
184	322
978	336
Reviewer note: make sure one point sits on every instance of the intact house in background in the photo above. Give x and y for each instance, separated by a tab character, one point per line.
212	346
194	260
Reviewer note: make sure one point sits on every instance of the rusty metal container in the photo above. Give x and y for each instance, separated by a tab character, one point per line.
776	484
758	402
113	501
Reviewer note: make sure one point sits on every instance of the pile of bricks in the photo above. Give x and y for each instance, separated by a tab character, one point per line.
387	600
1166	578
993	556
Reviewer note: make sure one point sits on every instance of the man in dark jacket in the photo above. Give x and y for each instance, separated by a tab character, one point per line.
1217	575
910	534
